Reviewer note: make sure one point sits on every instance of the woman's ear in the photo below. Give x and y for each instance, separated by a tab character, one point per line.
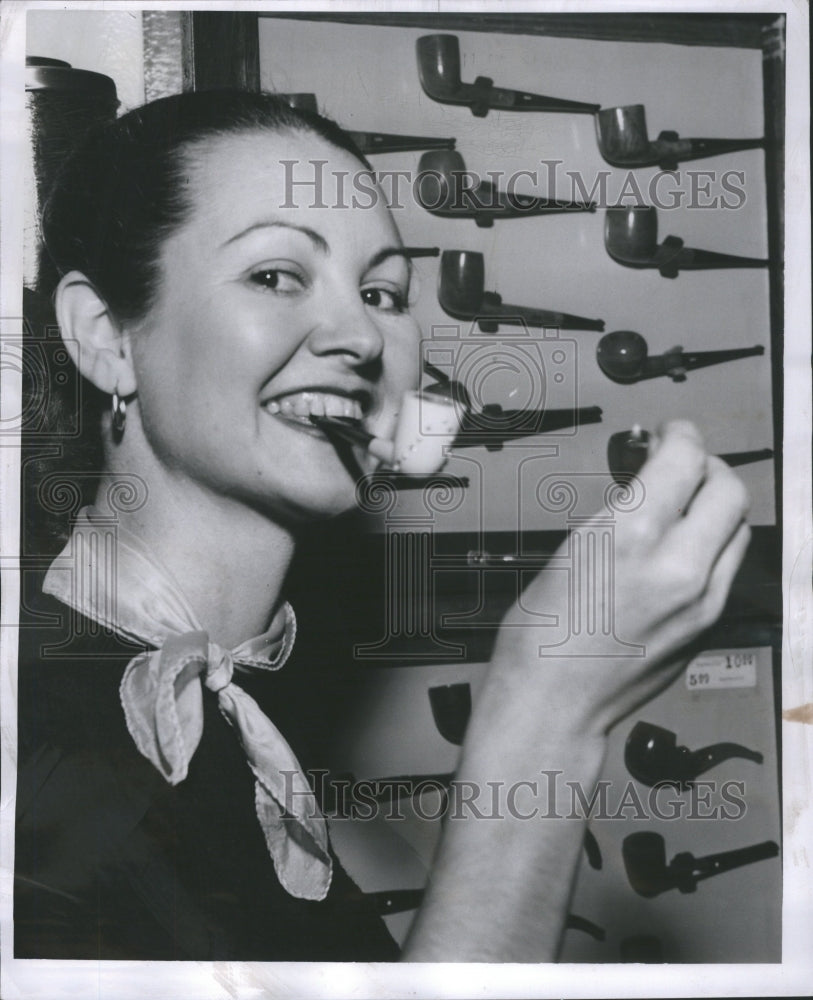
93	336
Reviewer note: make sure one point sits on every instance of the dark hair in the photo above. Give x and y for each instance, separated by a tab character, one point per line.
118	196
123	191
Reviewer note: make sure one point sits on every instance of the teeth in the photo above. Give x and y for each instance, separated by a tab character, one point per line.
335	406
299	406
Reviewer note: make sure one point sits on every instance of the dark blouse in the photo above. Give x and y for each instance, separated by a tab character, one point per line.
113	862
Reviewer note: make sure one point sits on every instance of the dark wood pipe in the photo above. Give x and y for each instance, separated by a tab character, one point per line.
631	239
623	141
652	756
445	188
623	356
383	142
461	294
439	72
627	451
644	857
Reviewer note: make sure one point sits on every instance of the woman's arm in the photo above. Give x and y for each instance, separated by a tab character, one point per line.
499	889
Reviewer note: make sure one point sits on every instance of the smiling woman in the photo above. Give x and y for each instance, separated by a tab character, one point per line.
217	321
213	309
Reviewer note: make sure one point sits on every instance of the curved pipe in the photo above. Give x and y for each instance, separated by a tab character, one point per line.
351	432
649	875
628	450
461	293
624	357
631	239
439	72
653	757
623	141
445	188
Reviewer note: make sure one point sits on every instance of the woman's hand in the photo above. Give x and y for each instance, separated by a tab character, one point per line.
672	563
500	890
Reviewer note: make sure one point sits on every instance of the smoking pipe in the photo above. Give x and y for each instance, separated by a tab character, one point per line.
446	386
492	426
413	252
439	71
445	188
461	293
373	142
592	850
352	432
384	142
451	708
653	757
628	450
649	875
623	141
624	357
631	239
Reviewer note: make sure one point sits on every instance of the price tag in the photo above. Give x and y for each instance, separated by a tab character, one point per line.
713	671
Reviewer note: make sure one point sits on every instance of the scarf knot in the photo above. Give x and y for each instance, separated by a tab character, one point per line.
219	668
162	692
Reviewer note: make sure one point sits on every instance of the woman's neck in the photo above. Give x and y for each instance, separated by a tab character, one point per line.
229	560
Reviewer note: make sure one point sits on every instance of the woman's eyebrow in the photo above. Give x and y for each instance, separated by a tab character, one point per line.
319	242
385	253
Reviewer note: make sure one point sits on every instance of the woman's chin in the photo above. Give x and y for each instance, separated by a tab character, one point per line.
315	501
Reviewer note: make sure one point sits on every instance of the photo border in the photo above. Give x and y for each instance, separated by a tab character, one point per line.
120	980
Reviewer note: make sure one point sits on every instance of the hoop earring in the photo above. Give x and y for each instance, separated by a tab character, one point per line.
119	412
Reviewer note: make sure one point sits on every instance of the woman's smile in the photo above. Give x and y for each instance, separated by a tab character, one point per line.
298	405
297	312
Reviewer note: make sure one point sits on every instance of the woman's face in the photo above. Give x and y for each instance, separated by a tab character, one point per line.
267	313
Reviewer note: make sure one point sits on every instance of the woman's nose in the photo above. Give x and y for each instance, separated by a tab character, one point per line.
346	327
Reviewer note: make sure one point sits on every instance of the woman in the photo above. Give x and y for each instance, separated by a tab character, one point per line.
214	308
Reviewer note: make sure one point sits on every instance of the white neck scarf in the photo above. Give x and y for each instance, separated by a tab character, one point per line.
108	575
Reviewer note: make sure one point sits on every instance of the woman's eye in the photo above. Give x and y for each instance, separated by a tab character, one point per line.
385	299
276	280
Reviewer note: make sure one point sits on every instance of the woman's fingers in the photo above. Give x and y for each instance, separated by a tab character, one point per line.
723	573
672	475
714	515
